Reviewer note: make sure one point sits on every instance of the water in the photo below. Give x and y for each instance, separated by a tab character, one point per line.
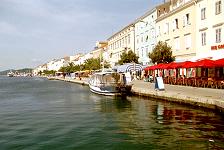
37	114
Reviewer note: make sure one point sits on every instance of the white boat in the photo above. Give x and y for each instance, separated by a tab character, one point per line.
109	84
10	74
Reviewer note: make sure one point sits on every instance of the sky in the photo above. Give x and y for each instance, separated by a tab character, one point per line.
33	32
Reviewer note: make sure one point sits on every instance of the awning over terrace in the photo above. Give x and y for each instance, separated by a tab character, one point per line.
205	63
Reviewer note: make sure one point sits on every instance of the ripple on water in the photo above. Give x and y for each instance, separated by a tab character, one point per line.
37	114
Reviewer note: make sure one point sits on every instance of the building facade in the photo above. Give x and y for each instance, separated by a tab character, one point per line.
56	64
39	69
99	49
120	42
145	37
210	29
177	27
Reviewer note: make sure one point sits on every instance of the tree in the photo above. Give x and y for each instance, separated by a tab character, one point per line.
63	69
49	72
70	68
161	53
128	57
92	64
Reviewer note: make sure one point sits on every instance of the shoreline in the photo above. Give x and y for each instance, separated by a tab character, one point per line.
202	97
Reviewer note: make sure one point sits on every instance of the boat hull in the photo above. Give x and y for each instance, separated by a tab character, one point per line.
108	83
102	91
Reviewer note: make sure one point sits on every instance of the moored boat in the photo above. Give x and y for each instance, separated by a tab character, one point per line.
10	74
109	84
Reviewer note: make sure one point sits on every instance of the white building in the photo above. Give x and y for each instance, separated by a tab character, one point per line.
39	69
83	58
56	64
210	29
145	36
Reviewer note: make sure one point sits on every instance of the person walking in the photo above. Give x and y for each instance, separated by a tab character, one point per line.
156	83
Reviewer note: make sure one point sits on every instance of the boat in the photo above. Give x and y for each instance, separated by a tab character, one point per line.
109	84
10	74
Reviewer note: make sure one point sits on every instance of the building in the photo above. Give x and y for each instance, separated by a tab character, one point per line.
145	37
81	60
99	49
56	64
210	29
39	69
120	42
176	25
75	58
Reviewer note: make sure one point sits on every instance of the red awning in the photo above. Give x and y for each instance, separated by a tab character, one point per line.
206	63
184	64
159	66
172	65
219	62
150	68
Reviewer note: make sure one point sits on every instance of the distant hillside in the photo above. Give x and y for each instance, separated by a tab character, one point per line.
25	70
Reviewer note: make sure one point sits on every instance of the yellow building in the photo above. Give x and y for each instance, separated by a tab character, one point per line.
177	27
121	41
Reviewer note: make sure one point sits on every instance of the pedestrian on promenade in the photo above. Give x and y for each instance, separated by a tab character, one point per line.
156	82
150	78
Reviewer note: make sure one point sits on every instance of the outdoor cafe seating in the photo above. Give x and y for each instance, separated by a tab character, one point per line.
203	73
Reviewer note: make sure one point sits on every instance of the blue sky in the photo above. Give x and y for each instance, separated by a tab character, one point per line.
33	32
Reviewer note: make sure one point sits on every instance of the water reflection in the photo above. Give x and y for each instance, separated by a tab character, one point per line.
165	124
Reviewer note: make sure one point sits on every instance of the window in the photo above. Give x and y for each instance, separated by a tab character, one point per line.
158	31
203	13
218	7
186	20
188	41
146	50
147	38
125	40
218	35
176	23
129	39
166	28
203	38
177	43
142	52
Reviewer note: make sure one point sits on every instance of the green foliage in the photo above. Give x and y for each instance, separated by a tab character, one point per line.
95	64
89	64
92	64
128	57
161	53
49	72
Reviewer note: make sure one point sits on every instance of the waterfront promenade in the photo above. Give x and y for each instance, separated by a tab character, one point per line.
206	97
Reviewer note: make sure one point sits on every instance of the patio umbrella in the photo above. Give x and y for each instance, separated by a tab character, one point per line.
219	62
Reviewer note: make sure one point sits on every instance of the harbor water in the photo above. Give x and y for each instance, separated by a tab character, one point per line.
38	114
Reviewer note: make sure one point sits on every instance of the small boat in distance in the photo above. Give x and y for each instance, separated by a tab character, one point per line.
10	74
109	84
